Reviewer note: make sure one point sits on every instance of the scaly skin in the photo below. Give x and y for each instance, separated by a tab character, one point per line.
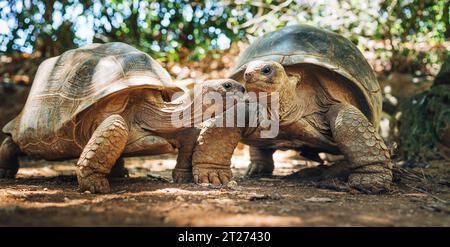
72	113
182	173
9	162
100	154
323	113
214	169
369	158
261	162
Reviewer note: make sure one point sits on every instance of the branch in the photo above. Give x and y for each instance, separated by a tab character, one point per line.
274	10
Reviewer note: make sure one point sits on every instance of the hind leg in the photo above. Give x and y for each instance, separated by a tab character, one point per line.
182	173
261	162
183	170
362	146
101	153
9	161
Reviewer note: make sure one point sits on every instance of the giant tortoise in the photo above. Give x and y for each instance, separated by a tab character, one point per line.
102	102
329	101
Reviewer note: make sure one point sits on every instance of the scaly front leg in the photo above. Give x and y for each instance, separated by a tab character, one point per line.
212	155
362	146
100	154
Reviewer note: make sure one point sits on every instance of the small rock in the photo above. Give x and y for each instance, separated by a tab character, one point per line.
45	189
284	210
232	185
319	199
259	197
180	199
87	192
66	199
166	220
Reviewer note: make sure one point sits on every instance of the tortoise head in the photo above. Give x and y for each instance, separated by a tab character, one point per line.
221	93
266	76
225	87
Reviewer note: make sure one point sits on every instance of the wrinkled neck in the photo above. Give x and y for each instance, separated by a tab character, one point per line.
170	116
289	109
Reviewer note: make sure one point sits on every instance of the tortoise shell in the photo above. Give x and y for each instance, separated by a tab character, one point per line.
299	44
66	85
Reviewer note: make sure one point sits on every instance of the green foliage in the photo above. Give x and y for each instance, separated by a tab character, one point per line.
405	35
412	23
162	28
424	118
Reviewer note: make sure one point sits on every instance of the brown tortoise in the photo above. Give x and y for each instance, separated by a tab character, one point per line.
329	101
101	102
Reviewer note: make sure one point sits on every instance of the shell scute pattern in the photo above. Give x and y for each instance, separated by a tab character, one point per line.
67	85
300	44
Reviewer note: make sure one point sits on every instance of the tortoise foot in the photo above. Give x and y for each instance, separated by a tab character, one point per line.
371	183
182	175
94	183
9	162
257	170
215	176
261	162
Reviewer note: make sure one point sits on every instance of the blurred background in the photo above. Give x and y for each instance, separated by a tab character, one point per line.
405	41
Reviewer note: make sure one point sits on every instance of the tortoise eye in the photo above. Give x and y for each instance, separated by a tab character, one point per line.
227	85
266	70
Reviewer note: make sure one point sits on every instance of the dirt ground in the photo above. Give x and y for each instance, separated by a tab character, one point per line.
44	194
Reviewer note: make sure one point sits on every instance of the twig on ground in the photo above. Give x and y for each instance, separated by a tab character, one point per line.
428	193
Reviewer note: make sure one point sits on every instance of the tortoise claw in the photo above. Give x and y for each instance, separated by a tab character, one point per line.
213	176
371	183
257	170
94	183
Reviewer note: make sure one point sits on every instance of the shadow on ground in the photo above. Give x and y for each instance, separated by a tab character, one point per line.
44	194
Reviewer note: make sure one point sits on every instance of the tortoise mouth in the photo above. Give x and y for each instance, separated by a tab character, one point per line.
259	86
